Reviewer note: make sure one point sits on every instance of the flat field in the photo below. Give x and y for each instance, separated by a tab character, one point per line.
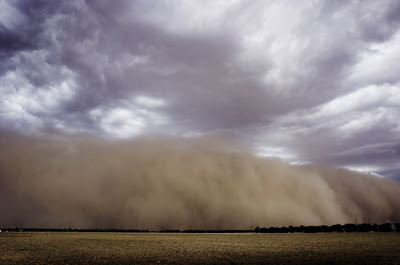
157	248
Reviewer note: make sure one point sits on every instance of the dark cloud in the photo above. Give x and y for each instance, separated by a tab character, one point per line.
11	43
274	74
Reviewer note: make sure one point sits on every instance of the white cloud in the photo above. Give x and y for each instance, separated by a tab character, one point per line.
369	115
10	17
379	63
371	169
149	102
135	60
359	109
182	17
119	122
127	119
379	118
24	103
276	151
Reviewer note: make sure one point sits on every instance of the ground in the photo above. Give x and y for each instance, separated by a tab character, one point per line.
156	248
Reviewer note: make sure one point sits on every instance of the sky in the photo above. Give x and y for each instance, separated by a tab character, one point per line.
305	81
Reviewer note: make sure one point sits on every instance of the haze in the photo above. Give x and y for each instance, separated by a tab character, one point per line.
177	184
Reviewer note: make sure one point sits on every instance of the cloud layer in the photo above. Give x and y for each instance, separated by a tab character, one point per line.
307	81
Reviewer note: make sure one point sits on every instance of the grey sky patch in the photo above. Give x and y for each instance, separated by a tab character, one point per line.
304	81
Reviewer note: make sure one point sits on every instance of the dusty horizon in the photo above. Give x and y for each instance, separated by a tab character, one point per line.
177	183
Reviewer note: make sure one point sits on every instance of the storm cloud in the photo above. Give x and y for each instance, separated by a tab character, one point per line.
309	82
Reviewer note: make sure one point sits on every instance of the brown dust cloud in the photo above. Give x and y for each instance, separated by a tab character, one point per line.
206	183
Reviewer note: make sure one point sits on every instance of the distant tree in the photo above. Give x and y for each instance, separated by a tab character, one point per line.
349	228
337	228
312	229
374	228
385	227
300	229
274	230
364	227
284	229
325	229
263	230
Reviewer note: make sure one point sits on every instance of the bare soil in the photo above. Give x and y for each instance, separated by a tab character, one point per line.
157	248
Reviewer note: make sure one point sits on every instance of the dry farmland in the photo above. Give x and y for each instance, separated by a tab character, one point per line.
157	248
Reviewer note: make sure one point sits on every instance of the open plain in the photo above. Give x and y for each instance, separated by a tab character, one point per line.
180	248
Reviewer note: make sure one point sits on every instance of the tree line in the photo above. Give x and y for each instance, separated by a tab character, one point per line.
347	228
